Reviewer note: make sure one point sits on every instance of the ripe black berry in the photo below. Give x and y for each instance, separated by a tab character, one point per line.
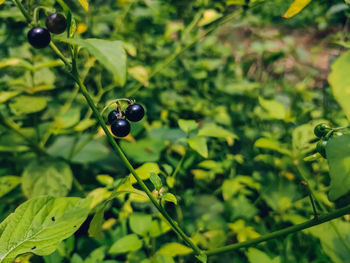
114	115
120	128
56	23
134	112
39	37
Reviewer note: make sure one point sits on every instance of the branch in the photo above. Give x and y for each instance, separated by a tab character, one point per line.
286	231
126	162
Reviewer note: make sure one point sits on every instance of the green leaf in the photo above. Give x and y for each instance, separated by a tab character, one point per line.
144	171
140	223
274	108
174	249
257	256
84	4
6	95
304	138
335	239
27	104
52	178
7	183
202	258
68	119
338	155
272	145
156	181
95	227
39	225
126	244
111	55
339	80
168	197
199	144
213	130
105	179
158	227
145	150
187	125
296	7
209	16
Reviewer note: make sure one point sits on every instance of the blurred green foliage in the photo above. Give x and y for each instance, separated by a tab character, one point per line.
229	120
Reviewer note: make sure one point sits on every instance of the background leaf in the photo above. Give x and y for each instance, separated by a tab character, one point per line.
110	54
52	178
339	80
296	7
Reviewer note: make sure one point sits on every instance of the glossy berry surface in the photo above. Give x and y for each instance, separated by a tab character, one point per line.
120	128
134	112
321	147
56	23
115	115
39	37
321	130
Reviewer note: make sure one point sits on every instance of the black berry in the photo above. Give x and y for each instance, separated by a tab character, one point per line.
321	130
120	128
115	115
134	112
39	37
56	23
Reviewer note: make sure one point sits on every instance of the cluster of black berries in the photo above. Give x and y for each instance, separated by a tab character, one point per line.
120	127
40	37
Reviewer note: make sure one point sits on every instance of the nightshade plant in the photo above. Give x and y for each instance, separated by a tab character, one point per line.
40	224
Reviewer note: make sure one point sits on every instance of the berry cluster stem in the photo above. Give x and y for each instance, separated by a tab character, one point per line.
124	159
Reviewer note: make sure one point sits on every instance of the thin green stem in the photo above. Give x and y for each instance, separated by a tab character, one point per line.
289	230
121	154
313	206
179	164
60	55
23	11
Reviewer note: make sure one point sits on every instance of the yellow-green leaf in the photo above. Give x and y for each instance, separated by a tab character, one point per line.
1	1
144	171
339	80
84	4
296	7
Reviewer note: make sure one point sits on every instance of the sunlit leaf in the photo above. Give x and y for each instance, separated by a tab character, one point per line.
339	80
126	244
199	144
296	7
7	183
84	4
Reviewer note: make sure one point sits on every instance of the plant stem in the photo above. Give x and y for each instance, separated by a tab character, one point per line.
23	11
313	222
60	55
313	206
121	154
